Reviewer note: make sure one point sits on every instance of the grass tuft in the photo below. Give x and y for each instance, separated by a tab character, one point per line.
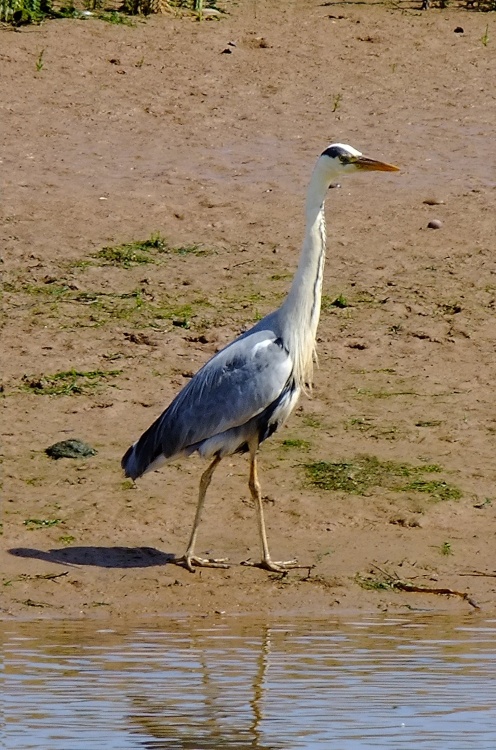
340	301
140	252
131	253
296	443
67	539
369	583
196	250
438	489
68	383
311	420
446	548
359	476
41	523
113	16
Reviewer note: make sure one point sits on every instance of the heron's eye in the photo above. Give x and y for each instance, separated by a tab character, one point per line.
343	159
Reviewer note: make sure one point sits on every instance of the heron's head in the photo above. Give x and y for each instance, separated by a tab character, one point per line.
342	159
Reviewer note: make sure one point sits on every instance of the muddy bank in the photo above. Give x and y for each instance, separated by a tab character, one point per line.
130	132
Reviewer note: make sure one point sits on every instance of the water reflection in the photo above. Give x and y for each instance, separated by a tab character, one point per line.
209	717
385	683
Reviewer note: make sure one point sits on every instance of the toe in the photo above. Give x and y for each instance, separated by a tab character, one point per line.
274	566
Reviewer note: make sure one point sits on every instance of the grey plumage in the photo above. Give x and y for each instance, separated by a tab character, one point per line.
243	390
247	390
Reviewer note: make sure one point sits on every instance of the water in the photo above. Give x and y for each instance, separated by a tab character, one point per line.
427	683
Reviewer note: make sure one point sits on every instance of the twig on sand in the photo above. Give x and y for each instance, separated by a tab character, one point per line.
52	576
400	584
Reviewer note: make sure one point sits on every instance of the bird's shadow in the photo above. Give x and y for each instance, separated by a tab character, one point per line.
101	557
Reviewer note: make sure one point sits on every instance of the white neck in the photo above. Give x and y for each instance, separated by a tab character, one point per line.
300	312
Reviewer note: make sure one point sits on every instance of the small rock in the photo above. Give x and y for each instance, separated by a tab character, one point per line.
406	522
139	338
435	224
201	339
433	201
227	51
70	449
211	13
361	345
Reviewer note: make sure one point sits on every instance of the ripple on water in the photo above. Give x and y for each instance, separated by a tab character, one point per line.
388	683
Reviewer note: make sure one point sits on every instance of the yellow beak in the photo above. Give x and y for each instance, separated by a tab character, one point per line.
363	162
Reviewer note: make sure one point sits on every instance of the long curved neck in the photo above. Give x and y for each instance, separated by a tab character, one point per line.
301	309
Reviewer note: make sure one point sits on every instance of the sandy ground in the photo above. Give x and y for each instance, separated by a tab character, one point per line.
206	133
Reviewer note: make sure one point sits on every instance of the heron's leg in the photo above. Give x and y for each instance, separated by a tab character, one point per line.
189	559
254	484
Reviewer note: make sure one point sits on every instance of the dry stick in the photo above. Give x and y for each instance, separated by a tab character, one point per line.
407	586
52	576
479	573
236	265
400	585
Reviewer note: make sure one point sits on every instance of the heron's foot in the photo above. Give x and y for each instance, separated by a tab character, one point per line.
190	562
275	567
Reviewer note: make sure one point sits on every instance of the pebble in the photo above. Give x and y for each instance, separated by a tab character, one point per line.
432	201
435	224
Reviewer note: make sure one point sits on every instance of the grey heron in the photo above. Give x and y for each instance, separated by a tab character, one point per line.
248	389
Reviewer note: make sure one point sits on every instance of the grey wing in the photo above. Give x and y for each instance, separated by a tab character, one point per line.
234	386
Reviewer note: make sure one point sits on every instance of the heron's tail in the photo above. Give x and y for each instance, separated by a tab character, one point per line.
137	460
151	450
130	464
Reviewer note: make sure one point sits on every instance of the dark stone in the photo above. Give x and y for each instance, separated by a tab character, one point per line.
70	449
